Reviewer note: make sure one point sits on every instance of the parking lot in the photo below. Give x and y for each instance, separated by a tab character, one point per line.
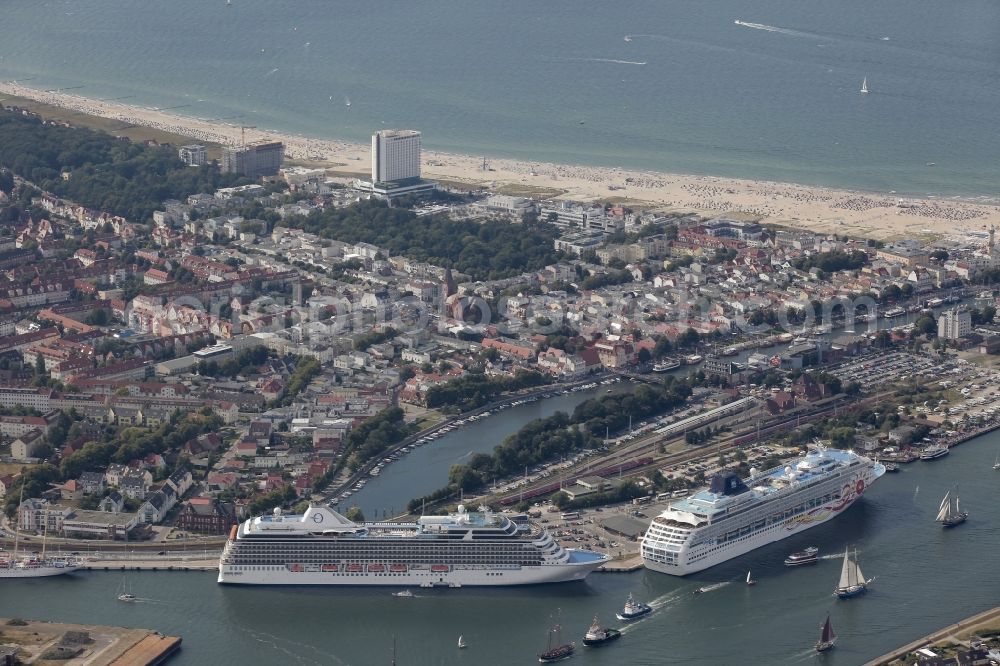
875	370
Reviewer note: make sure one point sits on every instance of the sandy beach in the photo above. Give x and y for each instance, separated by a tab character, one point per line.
884	217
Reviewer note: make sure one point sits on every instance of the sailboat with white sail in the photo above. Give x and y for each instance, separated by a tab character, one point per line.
124	593
864	86
852	581
828	638
996	463
950	513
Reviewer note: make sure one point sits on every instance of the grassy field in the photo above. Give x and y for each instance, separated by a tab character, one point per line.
13	468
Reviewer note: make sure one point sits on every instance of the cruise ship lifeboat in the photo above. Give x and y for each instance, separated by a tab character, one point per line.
330	567
296	568
376	568
440	568
354	568
397	568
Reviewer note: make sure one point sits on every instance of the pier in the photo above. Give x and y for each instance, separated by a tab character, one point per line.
957	633
94	645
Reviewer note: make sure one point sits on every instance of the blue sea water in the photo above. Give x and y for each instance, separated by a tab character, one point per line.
776	97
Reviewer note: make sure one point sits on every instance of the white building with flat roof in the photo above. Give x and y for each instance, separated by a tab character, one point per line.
395	155
954	324
193	154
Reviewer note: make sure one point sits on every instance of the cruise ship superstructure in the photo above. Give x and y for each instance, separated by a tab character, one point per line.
733	516
322	547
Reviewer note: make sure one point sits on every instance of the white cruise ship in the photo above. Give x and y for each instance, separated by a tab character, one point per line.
322	547
733	516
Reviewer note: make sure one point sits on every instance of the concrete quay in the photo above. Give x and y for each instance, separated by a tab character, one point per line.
622	565
956	633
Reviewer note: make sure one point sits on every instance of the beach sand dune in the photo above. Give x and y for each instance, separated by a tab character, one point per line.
822	210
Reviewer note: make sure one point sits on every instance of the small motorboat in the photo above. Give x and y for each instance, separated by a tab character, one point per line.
633	610
891	467
402	593
808	556
125	596
598	635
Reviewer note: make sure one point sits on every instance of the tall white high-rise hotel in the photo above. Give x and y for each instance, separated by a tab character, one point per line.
395	155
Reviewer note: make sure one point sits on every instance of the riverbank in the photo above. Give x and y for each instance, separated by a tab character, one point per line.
822	210
957	634
93	645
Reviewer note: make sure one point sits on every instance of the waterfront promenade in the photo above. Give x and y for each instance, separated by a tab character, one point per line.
957	633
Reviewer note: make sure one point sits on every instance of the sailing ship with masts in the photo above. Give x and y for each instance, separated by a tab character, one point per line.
34	566
556	650
950	513
852	581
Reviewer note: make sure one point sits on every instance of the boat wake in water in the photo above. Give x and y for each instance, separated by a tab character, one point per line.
774	28
273	641
710	588
607	60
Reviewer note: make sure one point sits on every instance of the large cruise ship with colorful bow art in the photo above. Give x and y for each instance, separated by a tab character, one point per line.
322	547
734	516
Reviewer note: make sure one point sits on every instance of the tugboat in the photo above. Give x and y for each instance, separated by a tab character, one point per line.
950	514
827	639
557	650
633	610
808	556
598	635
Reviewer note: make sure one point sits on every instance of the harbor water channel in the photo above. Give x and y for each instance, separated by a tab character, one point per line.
925	577
425	468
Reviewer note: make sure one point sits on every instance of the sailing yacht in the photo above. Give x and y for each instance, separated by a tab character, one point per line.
949	513
864	86
123	593
852	581
750	581
828	638
461	643
996	463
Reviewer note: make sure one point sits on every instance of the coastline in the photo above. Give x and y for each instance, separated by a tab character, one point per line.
822	210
